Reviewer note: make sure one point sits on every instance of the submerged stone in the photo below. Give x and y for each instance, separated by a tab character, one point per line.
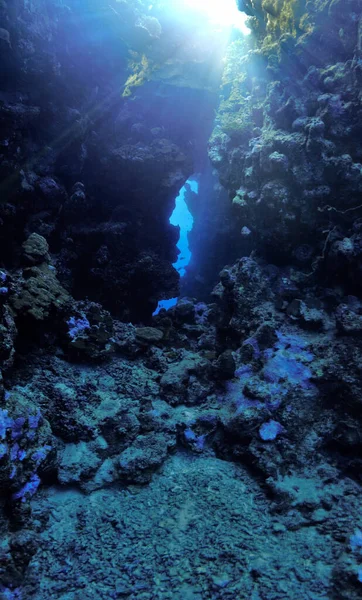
149	335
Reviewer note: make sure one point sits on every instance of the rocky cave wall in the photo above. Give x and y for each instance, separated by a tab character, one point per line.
91	168
287	141
267	376
287	146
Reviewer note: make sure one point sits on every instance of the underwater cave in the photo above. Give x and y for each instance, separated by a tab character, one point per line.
182	218
180	299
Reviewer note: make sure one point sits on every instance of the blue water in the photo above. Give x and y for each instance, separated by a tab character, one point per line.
181	217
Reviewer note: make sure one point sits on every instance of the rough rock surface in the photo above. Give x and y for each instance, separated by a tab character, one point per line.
94	173
214	450
287	138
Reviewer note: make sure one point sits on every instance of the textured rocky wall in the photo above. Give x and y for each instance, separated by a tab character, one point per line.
287	143
267	378
93	172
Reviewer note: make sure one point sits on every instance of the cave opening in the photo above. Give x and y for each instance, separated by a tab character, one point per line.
186	102
181	217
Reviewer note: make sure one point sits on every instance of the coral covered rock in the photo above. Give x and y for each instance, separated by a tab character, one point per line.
36	249
25	446
89	333
38	294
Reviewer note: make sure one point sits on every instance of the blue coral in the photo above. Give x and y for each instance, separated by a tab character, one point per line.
270	430
40	455
15	433
76	326
286	367
287	361
14	452
8	594
17	427
197	441
356	541
33	420
28	490
5	423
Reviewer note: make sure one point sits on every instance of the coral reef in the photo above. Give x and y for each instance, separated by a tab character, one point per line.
287	140
212	450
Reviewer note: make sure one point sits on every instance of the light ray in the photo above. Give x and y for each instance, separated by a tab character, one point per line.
222	15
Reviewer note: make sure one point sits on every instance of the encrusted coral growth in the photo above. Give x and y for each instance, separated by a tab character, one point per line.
25	445
140	73
89	332
36	291
287	137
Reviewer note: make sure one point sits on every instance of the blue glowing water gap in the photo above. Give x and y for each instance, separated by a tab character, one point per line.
182	218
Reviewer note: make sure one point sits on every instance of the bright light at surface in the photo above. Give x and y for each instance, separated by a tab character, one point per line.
223	14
